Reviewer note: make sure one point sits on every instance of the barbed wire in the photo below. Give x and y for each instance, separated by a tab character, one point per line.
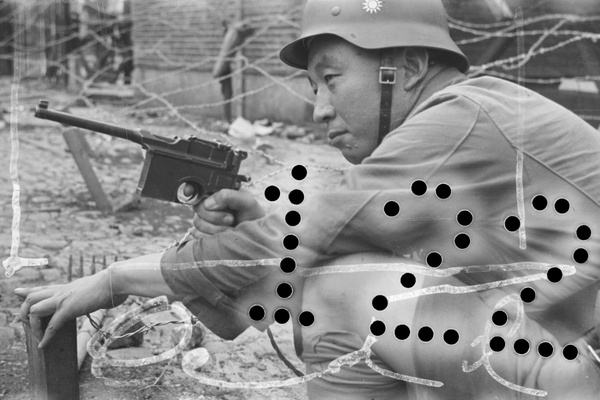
506	62
480	31
542	81
146	327
459	24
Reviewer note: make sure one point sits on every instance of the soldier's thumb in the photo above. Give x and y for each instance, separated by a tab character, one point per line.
219	201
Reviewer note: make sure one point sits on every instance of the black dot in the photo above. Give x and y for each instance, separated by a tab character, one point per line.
527	294
521	346
257	312
285	290
377	328
287	265
464	217
462	241
539	202
425	334
584	232
512	223
561	206
443	191
391	209
272	193
402	332
554	274
434	259
299	172
545	349
451	336
408	280
499	318
580	255
282	315
570	352
418	188
306	318
290	242
296	196
380	302
497	343
292	218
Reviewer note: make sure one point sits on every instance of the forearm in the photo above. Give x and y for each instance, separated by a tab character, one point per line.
140	276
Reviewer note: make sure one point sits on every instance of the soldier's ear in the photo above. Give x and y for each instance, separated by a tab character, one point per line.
414	61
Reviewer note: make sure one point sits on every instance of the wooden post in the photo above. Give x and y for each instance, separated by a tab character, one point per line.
93	266
238	84
53	372
73	67
75	140
80	265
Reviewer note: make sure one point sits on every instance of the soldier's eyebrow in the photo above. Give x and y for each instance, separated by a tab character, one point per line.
327	61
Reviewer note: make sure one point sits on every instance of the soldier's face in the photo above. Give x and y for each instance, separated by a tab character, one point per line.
345	80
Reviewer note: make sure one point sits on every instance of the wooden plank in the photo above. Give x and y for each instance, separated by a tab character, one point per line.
75	141
53	372
237	80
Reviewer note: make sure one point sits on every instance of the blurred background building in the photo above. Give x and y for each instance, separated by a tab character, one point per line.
220	58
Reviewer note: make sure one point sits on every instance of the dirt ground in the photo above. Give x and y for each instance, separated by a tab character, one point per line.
59	220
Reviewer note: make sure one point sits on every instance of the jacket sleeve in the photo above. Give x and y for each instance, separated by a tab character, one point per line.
347	219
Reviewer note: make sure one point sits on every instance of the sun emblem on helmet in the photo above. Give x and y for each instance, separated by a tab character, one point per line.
372	6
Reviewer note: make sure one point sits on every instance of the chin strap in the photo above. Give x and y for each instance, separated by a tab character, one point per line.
387	79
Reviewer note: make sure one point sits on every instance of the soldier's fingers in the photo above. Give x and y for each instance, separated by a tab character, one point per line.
38	311
208	228
228	199
24	292
56	322
216	217
35	322
216	202
44	307
31	300
205	226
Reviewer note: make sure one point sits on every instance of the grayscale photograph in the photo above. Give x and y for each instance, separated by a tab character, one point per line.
300	199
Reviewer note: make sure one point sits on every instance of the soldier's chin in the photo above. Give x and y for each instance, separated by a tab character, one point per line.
352	156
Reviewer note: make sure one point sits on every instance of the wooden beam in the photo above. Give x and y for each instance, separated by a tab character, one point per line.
238	84
53	371
75	141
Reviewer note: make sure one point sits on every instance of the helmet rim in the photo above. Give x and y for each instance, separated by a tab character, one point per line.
399	24
295	53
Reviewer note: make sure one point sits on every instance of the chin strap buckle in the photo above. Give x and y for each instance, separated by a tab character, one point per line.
387	79
387	75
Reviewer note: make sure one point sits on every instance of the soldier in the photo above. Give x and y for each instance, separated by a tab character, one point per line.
436	269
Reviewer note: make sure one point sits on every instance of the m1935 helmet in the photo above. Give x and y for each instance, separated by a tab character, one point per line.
376	24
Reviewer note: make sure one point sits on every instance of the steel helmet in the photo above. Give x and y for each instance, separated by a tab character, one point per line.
376	24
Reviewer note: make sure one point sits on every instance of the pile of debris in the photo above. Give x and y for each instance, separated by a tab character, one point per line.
242	128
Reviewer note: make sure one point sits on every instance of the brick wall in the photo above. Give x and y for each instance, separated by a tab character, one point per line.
171	34
189	33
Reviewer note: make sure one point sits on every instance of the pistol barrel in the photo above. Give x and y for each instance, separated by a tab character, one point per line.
42	111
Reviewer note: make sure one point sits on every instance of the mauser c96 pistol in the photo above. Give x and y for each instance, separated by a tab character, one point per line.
177	170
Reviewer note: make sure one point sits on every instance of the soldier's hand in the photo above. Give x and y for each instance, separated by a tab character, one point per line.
65	302
224	210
